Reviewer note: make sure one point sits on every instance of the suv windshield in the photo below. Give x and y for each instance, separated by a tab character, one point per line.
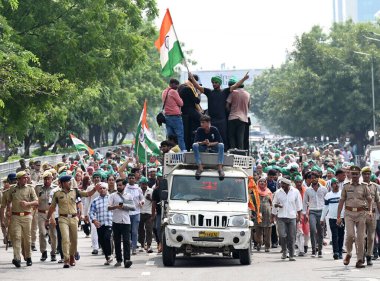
188	188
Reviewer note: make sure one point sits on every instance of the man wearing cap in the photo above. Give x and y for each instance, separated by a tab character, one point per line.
217	99
43	192
303	228
68	221
36	172
96	179
101	217
371	219
357	200
152	177
146	224
23	198
287	205
5	216
330	211
22	165
313	203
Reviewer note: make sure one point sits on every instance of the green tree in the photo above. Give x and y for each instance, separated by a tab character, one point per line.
324	88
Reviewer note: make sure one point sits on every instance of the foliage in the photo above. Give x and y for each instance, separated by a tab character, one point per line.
82	67
323	88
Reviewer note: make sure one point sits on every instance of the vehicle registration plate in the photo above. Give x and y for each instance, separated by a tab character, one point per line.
210	234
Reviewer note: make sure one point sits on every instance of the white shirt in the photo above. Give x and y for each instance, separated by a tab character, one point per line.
315	200
137	195
119	216
291	203
147	207
88	200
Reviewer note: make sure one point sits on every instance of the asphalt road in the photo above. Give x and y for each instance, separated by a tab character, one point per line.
265	266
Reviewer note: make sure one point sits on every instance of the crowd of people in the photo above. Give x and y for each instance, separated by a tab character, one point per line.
114	199
308	193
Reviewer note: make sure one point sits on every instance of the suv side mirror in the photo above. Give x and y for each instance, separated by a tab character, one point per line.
164	195
163	184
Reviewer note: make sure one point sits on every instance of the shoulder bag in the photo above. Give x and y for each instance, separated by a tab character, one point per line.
160	116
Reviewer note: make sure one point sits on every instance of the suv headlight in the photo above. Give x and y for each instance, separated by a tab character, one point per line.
238	221
178	219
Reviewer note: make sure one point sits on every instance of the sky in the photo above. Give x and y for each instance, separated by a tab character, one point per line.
243	34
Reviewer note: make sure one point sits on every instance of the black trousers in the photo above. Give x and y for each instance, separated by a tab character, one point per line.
122	231
104	236
236	133
274	237
59	238
337	236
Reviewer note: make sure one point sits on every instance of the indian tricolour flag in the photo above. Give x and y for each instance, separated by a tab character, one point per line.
80	145
144	143
168	46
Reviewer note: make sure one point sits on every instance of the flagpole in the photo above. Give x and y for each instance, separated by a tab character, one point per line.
146	162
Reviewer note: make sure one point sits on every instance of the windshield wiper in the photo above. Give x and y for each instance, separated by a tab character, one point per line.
199	199
230	199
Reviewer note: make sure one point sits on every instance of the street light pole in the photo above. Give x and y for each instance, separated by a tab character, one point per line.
373	103
373	94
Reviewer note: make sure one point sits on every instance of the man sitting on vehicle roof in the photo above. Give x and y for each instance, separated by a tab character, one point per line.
208	139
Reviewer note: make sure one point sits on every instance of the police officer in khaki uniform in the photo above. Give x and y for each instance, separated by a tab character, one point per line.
23	198
68	221
371	220
43	192
5	213
35	176
357	199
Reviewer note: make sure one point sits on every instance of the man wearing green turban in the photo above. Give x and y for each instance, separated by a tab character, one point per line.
217	98
216	80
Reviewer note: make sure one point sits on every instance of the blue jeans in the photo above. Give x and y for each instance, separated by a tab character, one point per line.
174	127
219	148
135	221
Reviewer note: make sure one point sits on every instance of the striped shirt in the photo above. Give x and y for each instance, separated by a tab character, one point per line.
99	211
330	210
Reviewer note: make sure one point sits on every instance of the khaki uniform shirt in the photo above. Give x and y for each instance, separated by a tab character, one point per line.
35	176
3	198
356	196
374	193
66	201
16	194
43	194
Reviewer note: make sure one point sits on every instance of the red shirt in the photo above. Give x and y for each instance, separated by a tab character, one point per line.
173	102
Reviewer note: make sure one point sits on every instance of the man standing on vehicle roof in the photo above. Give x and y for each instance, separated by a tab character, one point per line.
217	99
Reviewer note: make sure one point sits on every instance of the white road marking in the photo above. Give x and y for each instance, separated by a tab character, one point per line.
145	273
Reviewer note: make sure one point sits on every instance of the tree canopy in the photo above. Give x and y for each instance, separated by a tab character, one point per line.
82	67
324	87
